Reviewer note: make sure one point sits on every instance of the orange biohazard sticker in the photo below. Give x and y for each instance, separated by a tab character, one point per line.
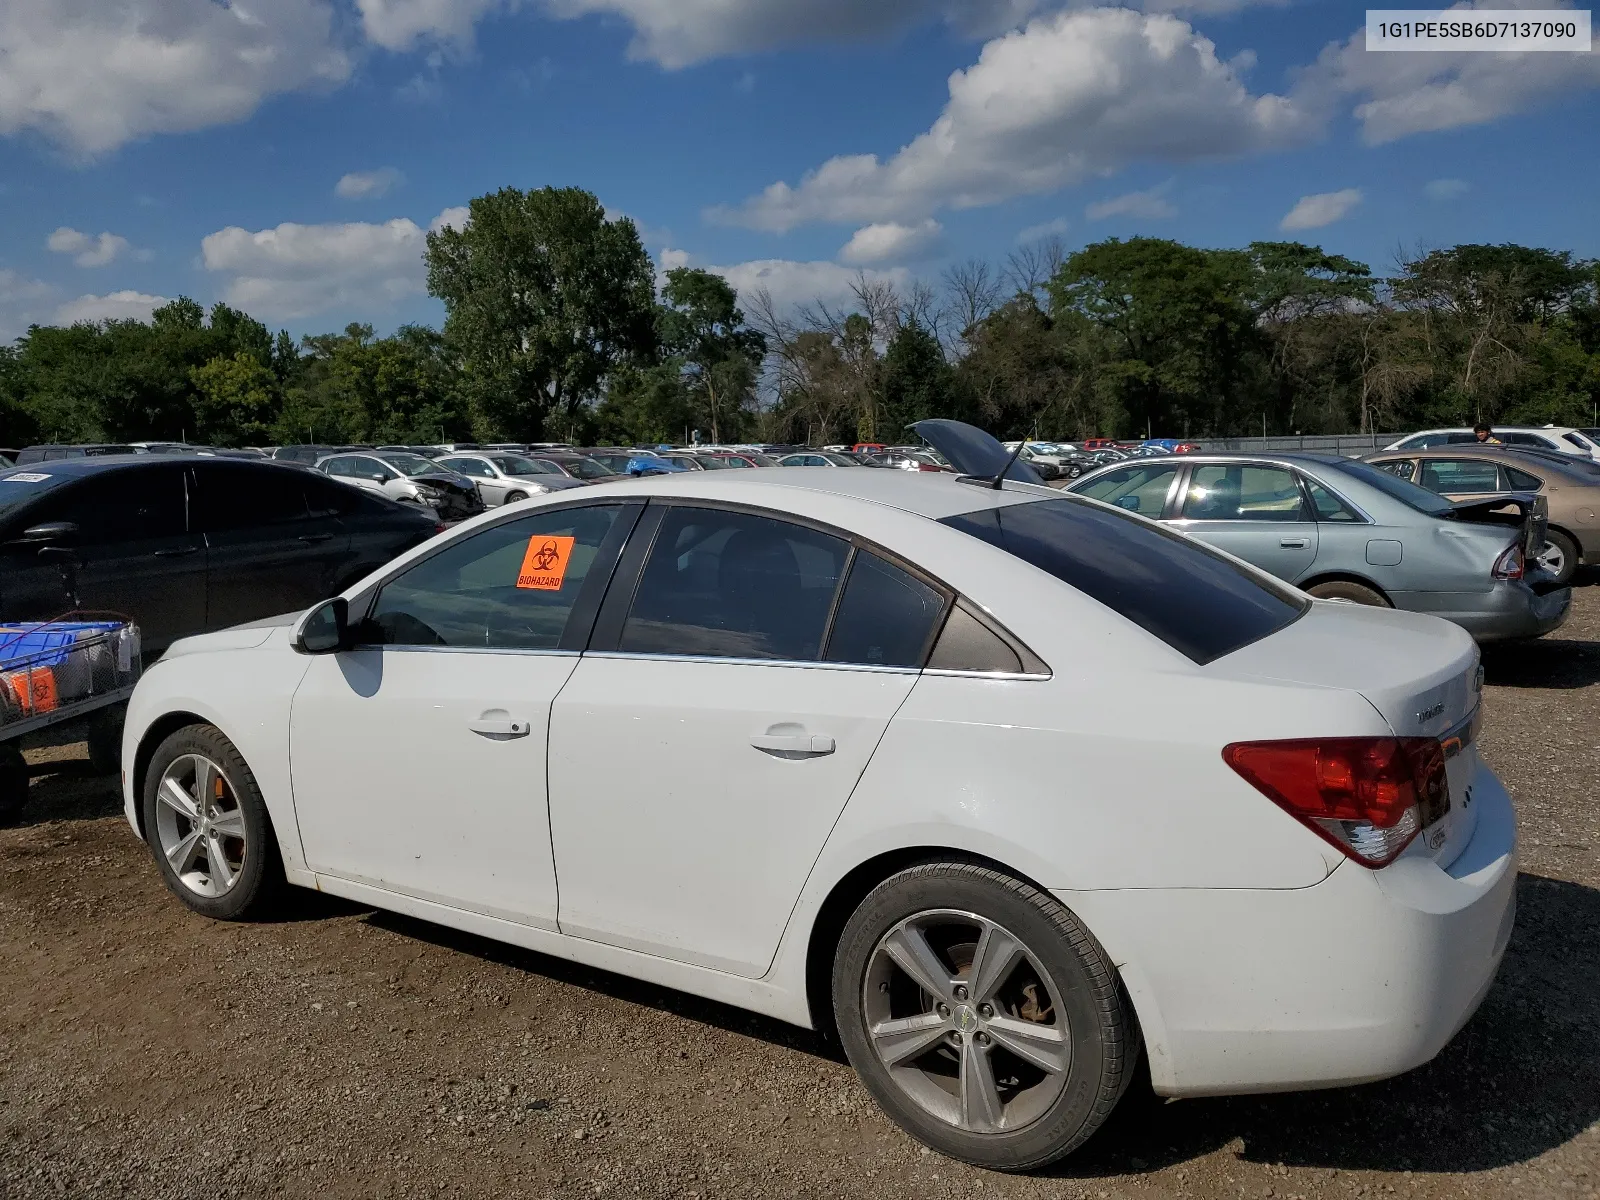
544	566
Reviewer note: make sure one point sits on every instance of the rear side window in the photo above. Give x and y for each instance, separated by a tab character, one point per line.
735	585
886	616
1464	476
1328	506
1195	600
1522	481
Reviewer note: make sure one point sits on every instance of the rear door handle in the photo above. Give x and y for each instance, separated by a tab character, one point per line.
1294	543
177	552
794	743
499	727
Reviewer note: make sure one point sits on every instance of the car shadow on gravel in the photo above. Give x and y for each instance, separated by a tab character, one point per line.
1521	1079
66	790
1547	663
620	987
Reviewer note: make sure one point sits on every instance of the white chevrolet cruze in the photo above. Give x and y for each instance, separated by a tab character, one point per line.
790	739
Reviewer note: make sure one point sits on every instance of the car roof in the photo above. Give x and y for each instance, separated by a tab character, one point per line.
927	495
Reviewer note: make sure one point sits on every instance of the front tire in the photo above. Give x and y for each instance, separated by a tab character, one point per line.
1355	593
208	827
982	1016
514	497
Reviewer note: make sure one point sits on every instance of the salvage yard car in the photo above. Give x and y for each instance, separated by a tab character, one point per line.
1277	863
1345	530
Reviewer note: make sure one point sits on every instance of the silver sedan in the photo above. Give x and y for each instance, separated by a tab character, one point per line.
508	478
1345	530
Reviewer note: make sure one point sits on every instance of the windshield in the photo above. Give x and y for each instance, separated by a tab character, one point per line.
1197	601
588	468
713	464
1409	494
413	464
514	464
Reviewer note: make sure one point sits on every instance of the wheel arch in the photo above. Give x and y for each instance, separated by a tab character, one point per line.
154	734
1345	577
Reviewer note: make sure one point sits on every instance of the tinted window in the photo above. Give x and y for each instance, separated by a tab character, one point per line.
1461	475
734	585
148	502
1528	439
469	466
1141	489
239	497
511	587
1578	440
967	644
886	616
1239	492
1409	494
1175	587
1328	507
327	498
1522	481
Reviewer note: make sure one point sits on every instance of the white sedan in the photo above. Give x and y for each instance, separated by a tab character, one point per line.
834	703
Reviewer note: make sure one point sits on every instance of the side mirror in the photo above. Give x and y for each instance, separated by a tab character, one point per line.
325	629
50	532
378	477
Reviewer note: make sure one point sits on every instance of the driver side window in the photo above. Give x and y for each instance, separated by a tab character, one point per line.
511	587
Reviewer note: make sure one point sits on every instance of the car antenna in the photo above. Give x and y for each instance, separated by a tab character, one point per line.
999	480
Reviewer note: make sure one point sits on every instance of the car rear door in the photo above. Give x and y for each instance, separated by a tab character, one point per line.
1253	510
267	552
708	741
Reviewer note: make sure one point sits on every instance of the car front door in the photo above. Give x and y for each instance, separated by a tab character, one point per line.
266	551
1253	510
130	551
708	741
418	757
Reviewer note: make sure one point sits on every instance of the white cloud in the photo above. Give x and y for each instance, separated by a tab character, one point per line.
1313	212
87	251
401	24
1077	94
790	283
299	270
452	218
1045	229
114	306
1402	93
1151	205
892	242
367	185
23	302
93	74
1446	189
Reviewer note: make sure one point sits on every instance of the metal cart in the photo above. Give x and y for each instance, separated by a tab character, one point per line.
62	680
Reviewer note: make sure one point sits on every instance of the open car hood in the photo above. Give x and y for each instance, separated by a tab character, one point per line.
972	451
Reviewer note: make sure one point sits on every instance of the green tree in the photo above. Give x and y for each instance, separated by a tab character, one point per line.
544	297
917	381
236	400
700	323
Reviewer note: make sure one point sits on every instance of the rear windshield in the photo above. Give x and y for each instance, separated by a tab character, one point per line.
1195	600
1403	490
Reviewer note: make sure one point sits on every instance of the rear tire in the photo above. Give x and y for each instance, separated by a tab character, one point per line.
1356	593
1560	555
208	827
947	978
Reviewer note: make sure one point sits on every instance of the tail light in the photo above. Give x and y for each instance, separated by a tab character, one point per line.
1366	796
1511	564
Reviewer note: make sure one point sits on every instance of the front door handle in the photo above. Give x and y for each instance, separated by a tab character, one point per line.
794	743
1294	543
177	552
499	726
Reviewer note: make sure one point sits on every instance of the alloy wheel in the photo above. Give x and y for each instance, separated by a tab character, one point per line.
200	826
1553	559
967	1021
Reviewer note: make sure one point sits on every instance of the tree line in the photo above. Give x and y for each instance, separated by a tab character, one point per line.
557	328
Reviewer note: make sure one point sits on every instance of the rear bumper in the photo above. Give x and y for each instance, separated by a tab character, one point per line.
1510	610
1361	977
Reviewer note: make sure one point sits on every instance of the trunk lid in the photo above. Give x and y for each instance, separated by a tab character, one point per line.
1420	673
1528	511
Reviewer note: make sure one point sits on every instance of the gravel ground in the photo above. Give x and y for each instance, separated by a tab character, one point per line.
346	1052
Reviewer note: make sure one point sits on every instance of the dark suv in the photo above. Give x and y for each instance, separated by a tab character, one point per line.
184	545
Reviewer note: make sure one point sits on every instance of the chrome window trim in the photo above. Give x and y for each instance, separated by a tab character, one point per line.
712	659
1025	676
526	652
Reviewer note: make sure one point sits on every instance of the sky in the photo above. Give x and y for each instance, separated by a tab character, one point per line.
289	156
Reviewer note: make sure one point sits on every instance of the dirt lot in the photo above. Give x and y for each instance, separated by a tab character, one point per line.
344	1052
